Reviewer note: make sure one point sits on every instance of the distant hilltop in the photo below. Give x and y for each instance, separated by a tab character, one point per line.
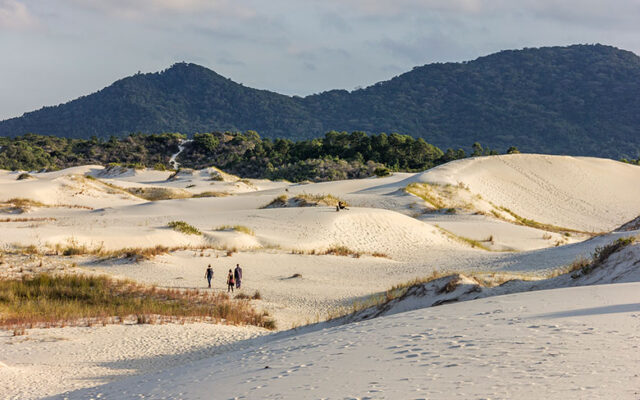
577	100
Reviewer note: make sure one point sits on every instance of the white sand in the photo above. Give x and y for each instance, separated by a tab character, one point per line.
49	361
575	343
585	194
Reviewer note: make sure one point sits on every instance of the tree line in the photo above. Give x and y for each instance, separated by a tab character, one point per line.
337	155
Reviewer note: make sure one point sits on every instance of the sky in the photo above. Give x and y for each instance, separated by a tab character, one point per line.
52	51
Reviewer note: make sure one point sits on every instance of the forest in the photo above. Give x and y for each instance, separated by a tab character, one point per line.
336	155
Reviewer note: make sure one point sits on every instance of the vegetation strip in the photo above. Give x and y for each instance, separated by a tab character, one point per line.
57	300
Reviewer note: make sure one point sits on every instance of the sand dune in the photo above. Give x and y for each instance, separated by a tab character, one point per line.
469	232
582	193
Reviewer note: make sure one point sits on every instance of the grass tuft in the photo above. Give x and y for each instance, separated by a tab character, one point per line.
185	228
237	228
342	251
426	193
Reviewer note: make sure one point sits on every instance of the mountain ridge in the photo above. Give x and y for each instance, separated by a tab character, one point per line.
577	100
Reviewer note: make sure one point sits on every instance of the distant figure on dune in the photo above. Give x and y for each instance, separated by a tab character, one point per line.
341	206
237	274
208	274
230	282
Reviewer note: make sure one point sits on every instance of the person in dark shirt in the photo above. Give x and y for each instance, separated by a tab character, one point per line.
230	282
208	274
237	274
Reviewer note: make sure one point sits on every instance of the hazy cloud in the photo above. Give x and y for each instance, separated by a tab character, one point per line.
15	15
141	9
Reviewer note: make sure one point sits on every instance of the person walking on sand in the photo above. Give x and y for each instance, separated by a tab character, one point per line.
230	282
208	274
237	274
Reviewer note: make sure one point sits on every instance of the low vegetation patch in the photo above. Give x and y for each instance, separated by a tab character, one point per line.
135	253
539	225
342	251
23	176
280	201
582	266
237	228
211	194
305	200
47	300
243	296
185	228
38	219
471	242
159	193
21	205
426	193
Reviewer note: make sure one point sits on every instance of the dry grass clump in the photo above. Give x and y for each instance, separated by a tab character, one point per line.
216	176
27	250
46	300
471	242
305	200
582	266
237	228
244	296
539	225
159	193
21	205
39	219
308	200
73	248
211	194
185	228
246	182
139	253
426	193
600	256
280	201
336	251
341	251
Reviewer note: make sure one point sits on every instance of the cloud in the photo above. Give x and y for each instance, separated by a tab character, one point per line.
141	9
16	15
579	12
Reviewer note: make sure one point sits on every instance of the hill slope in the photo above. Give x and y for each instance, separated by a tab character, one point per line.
578	100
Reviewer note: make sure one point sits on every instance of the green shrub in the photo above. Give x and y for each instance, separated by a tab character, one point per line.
382	171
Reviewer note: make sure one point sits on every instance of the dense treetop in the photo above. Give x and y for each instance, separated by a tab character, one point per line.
580	100
337	155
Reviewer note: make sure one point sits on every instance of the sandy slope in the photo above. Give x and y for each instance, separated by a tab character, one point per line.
583	193
546	344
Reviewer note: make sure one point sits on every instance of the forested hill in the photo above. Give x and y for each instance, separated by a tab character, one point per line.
580	100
